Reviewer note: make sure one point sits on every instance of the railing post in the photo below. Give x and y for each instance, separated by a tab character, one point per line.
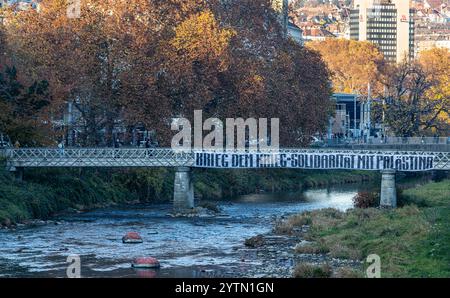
183	194
388	197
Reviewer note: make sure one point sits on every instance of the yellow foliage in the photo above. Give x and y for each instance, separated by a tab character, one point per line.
200	37
353	64
436	63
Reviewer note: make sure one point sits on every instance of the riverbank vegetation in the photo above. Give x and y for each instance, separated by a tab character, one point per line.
46	192
220	184
412	241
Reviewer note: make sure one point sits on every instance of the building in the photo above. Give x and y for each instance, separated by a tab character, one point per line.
312	33
429	42
295	33
432	26
387	23
352	119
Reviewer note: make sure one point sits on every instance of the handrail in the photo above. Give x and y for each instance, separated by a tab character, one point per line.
167	157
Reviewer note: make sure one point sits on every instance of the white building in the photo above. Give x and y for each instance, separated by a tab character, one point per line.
295	33
387	23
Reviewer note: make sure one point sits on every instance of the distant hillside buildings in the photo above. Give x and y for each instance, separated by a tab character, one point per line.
400	28
432	25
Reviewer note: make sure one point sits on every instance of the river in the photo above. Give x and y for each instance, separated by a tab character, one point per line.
185	247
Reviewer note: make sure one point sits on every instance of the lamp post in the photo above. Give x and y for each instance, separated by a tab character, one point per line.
369	107
354	114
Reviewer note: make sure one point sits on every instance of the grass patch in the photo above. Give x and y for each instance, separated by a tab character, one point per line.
429	195
346	272
412	241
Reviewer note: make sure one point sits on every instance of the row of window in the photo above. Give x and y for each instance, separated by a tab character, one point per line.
394	48
377	30
382	14
390	42
383	36
382	24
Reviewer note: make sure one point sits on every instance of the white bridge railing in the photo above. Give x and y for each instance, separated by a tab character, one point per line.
160	157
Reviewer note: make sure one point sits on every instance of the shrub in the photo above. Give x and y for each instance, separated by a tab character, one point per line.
300	220
295	221
366	199
305	270
347	272
316	248
344	252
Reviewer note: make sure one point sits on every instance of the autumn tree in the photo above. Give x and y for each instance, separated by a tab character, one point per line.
150	61
353	64
3	46
21	106
436	64
417	98
94	62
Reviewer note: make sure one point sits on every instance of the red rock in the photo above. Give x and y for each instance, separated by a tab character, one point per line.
132	237
147	262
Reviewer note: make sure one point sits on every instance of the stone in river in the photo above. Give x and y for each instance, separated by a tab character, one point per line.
254	242
132	237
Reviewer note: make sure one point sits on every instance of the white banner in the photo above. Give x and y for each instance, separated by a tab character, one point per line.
320	161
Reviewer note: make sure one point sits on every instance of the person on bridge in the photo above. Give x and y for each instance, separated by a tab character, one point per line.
61	148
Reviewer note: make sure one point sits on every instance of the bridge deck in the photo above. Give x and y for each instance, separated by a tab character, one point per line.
161	157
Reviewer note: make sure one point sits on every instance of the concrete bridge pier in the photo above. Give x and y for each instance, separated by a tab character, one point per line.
183	194
18	172
388	197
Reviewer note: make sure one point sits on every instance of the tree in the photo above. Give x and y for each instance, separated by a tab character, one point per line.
150	61
94	62
21	108
2	46
436	64
417	101
233	61
353	64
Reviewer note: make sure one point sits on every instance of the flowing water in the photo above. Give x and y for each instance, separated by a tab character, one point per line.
185	247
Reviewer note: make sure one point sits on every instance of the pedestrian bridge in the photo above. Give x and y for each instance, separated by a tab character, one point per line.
283	158
386	161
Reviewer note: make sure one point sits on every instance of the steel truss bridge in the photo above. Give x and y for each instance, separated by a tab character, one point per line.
163	157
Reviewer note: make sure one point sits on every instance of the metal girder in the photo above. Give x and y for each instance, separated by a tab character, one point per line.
163	157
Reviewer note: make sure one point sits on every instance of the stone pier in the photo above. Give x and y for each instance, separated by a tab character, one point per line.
183	194
17	171
388	197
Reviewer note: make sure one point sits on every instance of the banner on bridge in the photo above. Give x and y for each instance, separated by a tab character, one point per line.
319	161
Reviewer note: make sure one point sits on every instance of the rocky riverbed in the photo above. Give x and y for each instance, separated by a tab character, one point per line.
273	255
199	246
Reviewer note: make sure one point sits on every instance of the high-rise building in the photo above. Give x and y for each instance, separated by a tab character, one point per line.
387	23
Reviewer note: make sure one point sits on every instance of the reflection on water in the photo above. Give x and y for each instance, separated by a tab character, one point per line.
180	244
